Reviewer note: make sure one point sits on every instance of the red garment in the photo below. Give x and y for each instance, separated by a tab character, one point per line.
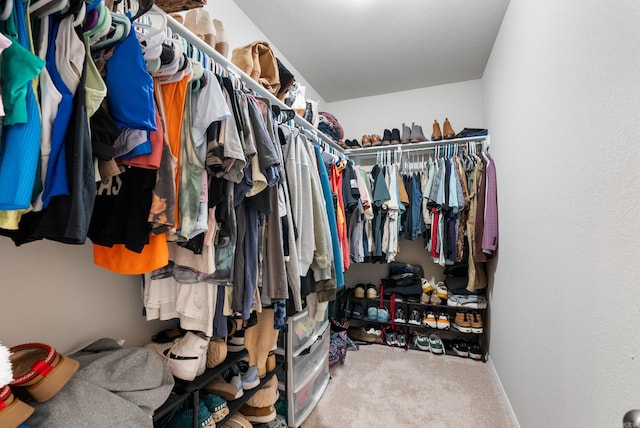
434	232
335	181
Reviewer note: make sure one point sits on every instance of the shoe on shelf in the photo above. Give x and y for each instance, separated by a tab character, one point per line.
425	298
395	136
401	340
447	131
185	418
390	338
430	320
416	133
216	405
386	138
462	322
363	334
373	331
414	317
476	322
427	286
249	375
258	415
421	342
371	291
434	299
460	348
436	135
235	342
435	344
406	134
366	141
358	292
383	315
443	321
186	357
442	291
470	301
228	385
372	313
376	140
475	352
399	316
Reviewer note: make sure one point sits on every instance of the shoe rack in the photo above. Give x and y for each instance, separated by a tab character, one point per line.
189	392
408	305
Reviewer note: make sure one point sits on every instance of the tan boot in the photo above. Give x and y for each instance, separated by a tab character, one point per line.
376	140
199	22
448	131
366	141
222	42
437	133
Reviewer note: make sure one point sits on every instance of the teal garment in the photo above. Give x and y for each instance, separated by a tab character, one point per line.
331	213
20	142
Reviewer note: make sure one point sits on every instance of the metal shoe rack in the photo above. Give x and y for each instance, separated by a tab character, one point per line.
410	329
189	392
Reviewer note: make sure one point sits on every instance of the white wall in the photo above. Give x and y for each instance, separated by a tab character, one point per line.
242	31
561	98
53	293
461	102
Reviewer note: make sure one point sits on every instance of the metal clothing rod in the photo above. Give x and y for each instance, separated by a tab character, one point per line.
418	147
186	34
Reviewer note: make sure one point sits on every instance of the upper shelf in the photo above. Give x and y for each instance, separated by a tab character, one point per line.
414	147
185	33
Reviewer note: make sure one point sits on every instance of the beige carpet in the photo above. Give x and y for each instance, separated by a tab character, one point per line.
380	386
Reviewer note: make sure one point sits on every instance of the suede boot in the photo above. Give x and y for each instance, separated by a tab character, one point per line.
416	133
376	140
260	339
366	141
437	133
447	130
406	134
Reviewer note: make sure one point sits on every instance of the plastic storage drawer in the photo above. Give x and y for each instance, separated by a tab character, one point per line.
306	397
303	329
308	361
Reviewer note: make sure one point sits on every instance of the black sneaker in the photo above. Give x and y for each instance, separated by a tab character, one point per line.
460	348
414	318
386	137
475	352
399	316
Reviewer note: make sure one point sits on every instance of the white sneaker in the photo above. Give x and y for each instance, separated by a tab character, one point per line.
186	356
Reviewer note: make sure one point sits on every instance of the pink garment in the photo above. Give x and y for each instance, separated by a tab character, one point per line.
4	43
152	160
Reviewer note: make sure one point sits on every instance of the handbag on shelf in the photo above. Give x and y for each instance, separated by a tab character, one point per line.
171	6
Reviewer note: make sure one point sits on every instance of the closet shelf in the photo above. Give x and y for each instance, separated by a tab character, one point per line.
185	33
423	146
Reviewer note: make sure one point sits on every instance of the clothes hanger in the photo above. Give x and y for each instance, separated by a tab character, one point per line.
80	17
6	11
103	27
43	8
120	28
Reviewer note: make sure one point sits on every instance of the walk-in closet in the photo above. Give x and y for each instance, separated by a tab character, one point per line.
230	213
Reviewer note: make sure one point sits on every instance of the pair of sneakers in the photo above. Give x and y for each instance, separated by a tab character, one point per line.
365	290
432	343
186	356
440	322
378	314
393	338
467	350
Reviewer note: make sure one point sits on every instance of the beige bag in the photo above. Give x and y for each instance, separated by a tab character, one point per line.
258	61
217	352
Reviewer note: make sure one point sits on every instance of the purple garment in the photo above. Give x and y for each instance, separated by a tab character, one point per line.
490	229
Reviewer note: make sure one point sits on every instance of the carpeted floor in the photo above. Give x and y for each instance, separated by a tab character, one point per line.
380	386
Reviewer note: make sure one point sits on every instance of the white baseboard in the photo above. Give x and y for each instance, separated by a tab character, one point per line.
514	418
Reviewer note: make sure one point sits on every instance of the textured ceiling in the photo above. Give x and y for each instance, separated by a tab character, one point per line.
353	48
